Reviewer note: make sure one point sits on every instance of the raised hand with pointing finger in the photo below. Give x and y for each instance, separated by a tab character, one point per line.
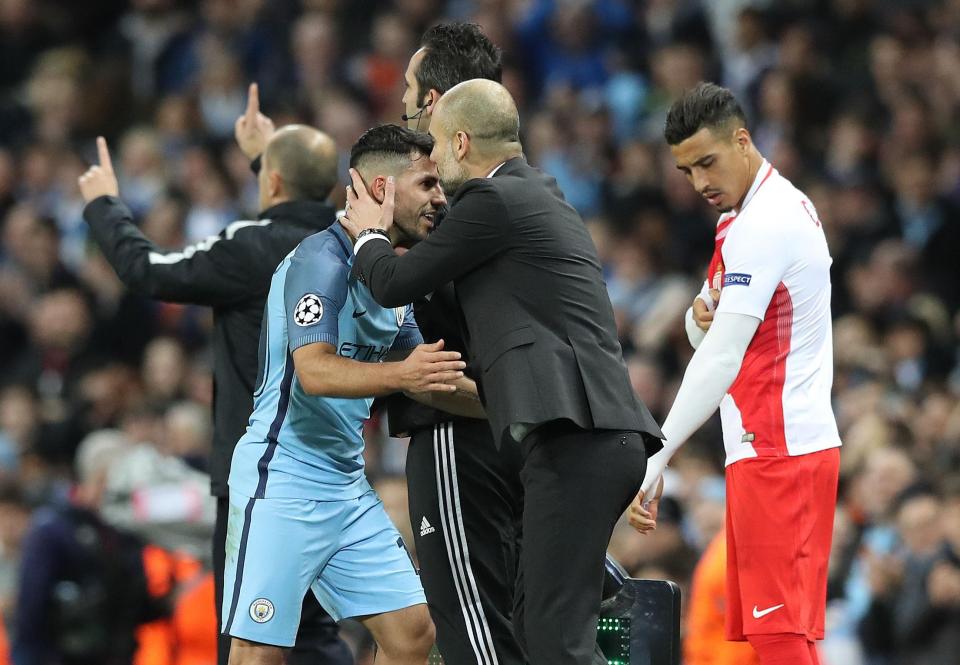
99	180
253	129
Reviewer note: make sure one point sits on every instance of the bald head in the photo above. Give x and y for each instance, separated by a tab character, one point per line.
305	160
484	111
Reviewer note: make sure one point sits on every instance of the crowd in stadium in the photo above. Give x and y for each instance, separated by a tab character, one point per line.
855	101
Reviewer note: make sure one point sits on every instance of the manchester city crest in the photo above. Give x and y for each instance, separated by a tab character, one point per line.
261	610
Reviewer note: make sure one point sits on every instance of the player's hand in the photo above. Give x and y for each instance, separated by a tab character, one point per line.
643	512
99	180
253	129
429	368
362	211
702	313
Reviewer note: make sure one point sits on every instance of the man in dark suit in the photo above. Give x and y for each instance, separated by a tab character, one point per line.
539	327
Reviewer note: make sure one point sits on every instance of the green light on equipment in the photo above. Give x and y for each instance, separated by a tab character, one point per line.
613	636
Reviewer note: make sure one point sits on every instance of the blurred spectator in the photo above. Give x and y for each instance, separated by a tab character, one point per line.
141	169
753	53
60	326
164	370
913	615
565	43
188	433
82	586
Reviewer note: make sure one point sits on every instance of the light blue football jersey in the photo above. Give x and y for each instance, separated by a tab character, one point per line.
298	445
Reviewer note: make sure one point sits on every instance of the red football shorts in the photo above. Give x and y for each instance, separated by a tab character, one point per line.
779	528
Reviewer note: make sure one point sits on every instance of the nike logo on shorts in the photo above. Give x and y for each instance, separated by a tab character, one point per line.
759	614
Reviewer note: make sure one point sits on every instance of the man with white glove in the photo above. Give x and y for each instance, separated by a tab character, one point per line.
764	355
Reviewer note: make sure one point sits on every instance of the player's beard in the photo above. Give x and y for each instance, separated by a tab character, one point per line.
406	231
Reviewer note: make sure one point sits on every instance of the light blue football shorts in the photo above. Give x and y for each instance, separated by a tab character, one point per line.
348	552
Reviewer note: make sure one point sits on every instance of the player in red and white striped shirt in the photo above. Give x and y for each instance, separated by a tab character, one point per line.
766	359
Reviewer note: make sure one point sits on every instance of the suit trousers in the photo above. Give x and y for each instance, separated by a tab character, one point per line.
576	485
465	501
318	641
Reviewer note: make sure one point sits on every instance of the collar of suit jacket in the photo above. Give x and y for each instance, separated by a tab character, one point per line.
509	166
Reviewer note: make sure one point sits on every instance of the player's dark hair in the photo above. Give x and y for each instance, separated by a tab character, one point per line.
454	53
389	141
706	105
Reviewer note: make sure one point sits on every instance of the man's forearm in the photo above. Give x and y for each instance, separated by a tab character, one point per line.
330	375
464	402
390	285
711	372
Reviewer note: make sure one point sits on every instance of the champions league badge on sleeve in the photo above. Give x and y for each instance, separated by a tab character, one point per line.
261	610
308	311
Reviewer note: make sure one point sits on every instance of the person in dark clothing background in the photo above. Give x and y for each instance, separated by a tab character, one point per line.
82	588
464	492
231	272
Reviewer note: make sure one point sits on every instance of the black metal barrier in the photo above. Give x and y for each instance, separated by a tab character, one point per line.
640	625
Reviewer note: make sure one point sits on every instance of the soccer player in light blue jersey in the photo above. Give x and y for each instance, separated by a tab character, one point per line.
302	514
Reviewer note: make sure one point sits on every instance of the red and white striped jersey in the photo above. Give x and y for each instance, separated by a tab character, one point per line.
771	262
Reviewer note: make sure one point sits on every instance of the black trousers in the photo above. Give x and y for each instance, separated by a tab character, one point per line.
576	485
318	640
465	500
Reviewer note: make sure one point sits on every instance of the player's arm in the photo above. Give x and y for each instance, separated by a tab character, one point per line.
427	368
216	271
711	372
314	292
475	231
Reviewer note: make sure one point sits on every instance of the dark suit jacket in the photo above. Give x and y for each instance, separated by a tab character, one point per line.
539	324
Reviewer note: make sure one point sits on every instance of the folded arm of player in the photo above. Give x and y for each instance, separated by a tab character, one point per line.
322	371
711	372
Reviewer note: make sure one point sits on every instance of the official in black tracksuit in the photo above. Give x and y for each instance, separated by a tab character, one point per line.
231	272
465	503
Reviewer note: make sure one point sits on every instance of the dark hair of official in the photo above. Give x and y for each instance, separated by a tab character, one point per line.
307	176
389	142
706	105
456	52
